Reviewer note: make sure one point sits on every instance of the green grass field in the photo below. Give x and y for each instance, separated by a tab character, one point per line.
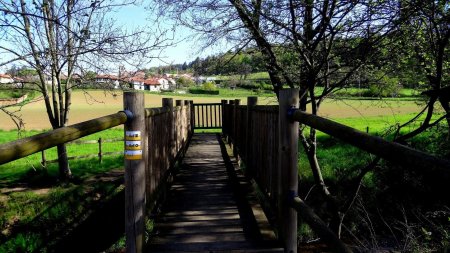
251	76
46	202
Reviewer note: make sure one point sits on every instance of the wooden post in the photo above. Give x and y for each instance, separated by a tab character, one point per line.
168	102
135	172
224	131
187	122
251	102
177	126
237	102
287	169
230	134
43	161
191	102
100	150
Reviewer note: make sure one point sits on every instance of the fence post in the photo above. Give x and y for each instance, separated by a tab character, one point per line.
178	125
230	133
100	150
223	104
187	120
43	161
191	102
135	133
287	169
168	102
237	102
251	102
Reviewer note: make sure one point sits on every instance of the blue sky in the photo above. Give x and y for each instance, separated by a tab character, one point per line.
184	51
130	17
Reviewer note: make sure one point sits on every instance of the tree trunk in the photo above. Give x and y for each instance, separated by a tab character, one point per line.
64	170
446	106
332	206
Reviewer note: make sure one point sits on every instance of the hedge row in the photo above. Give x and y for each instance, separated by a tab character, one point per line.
208	92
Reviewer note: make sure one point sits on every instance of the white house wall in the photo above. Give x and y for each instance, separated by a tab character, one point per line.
138	86
154	88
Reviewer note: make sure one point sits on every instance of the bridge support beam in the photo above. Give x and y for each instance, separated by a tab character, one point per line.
287	169
135	157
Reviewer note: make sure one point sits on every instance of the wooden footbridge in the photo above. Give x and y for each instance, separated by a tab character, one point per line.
233	192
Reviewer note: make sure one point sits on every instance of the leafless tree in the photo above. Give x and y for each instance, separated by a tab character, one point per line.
59	38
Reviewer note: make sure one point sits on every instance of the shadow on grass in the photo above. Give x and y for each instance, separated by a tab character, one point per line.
102	229
84	217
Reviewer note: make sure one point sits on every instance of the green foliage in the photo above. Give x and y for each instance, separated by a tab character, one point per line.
185	82
90	75
25	213
12	94
203	92
29	168
384	86
209	86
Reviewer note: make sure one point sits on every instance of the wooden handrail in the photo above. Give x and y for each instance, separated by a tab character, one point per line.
150	112
391	151
17	149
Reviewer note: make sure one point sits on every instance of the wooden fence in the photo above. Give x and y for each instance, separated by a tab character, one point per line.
100	154
169	129
207	116
265	139
154	139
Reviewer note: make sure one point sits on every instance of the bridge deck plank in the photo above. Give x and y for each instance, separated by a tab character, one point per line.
207	210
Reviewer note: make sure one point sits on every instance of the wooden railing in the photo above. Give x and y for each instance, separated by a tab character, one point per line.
265	140
100	154
169	129
156	138
207	116
23	147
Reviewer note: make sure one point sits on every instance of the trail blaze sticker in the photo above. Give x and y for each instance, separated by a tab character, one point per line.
132	145
132	135
133	154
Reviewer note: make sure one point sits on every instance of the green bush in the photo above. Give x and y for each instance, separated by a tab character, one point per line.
185	82
384	86
209	86
202	91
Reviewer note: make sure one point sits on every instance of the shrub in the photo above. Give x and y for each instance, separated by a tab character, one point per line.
185	82
384	86
209	86
202	91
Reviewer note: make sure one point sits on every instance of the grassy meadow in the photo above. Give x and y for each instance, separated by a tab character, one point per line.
31	197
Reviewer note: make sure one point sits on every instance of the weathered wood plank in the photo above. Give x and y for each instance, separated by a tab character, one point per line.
204	210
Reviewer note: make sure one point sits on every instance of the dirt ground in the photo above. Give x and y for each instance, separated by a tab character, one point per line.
92	104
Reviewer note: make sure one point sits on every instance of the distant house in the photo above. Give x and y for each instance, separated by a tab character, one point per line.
150	84
172	83
107	79
4	78
202	79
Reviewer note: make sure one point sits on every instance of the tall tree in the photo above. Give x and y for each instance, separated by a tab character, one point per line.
427	32
304	43
58	38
